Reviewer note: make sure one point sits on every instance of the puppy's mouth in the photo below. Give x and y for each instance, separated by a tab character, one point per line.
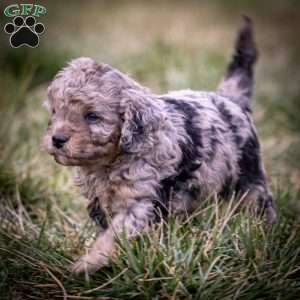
67	161
78	159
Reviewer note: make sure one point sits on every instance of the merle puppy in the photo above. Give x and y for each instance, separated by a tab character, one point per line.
136	151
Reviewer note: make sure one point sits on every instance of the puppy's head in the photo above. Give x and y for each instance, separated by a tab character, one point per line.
97	113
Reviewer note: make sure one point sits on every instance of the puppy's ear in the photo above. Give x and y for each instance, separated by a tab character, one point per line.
142	117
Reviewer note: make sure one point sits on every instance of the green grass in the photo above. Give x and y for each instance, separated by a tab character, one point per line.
217	253
220	252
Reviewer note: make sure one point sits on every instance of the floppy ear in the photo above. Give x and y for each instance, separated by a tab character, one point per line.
142	117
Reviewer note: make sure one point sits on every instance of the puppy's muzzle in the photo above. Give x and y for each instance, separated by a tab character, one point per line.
58	140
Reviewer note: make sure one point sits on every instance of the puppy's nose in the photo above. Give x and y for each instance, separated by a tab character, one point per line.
58	140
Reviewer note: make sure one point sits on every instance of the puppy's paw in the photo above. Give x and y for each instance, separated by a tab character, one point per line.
89	263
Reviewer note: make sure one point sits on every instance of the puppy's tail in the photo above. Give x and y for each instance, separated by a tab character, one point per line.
238	81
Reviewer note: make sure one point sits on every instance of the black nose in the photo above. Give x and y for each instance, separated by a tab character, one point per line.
58	140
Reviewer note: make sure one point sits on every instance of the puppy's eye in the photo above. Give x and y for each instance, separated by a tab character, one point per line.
53	111
91	117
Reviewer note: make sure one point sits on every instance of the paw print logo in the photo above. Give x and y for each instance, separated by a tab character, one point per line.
24	32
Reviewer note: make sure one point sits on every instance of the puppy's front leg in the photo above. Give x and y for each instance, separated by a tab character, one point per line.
131	220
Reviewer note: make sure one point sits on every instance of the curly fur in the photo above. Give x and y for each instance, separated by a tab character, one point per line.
146	151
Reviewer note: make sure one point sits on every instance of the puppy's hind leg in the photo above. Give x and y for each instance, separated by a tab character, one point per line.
258	194
266	206
252	178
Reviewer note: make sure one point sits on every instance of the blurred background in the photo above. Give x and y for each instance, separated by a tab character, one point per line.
165	45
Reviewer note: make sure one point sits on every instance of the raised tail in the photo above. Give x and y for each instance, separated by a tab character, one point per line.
238	81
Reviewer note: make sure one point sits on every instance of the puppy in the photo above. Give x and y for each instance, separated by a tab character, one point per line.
138	153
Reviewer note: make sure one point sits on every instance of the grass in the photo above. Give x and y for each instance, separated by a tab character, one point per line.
217	253
220	252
